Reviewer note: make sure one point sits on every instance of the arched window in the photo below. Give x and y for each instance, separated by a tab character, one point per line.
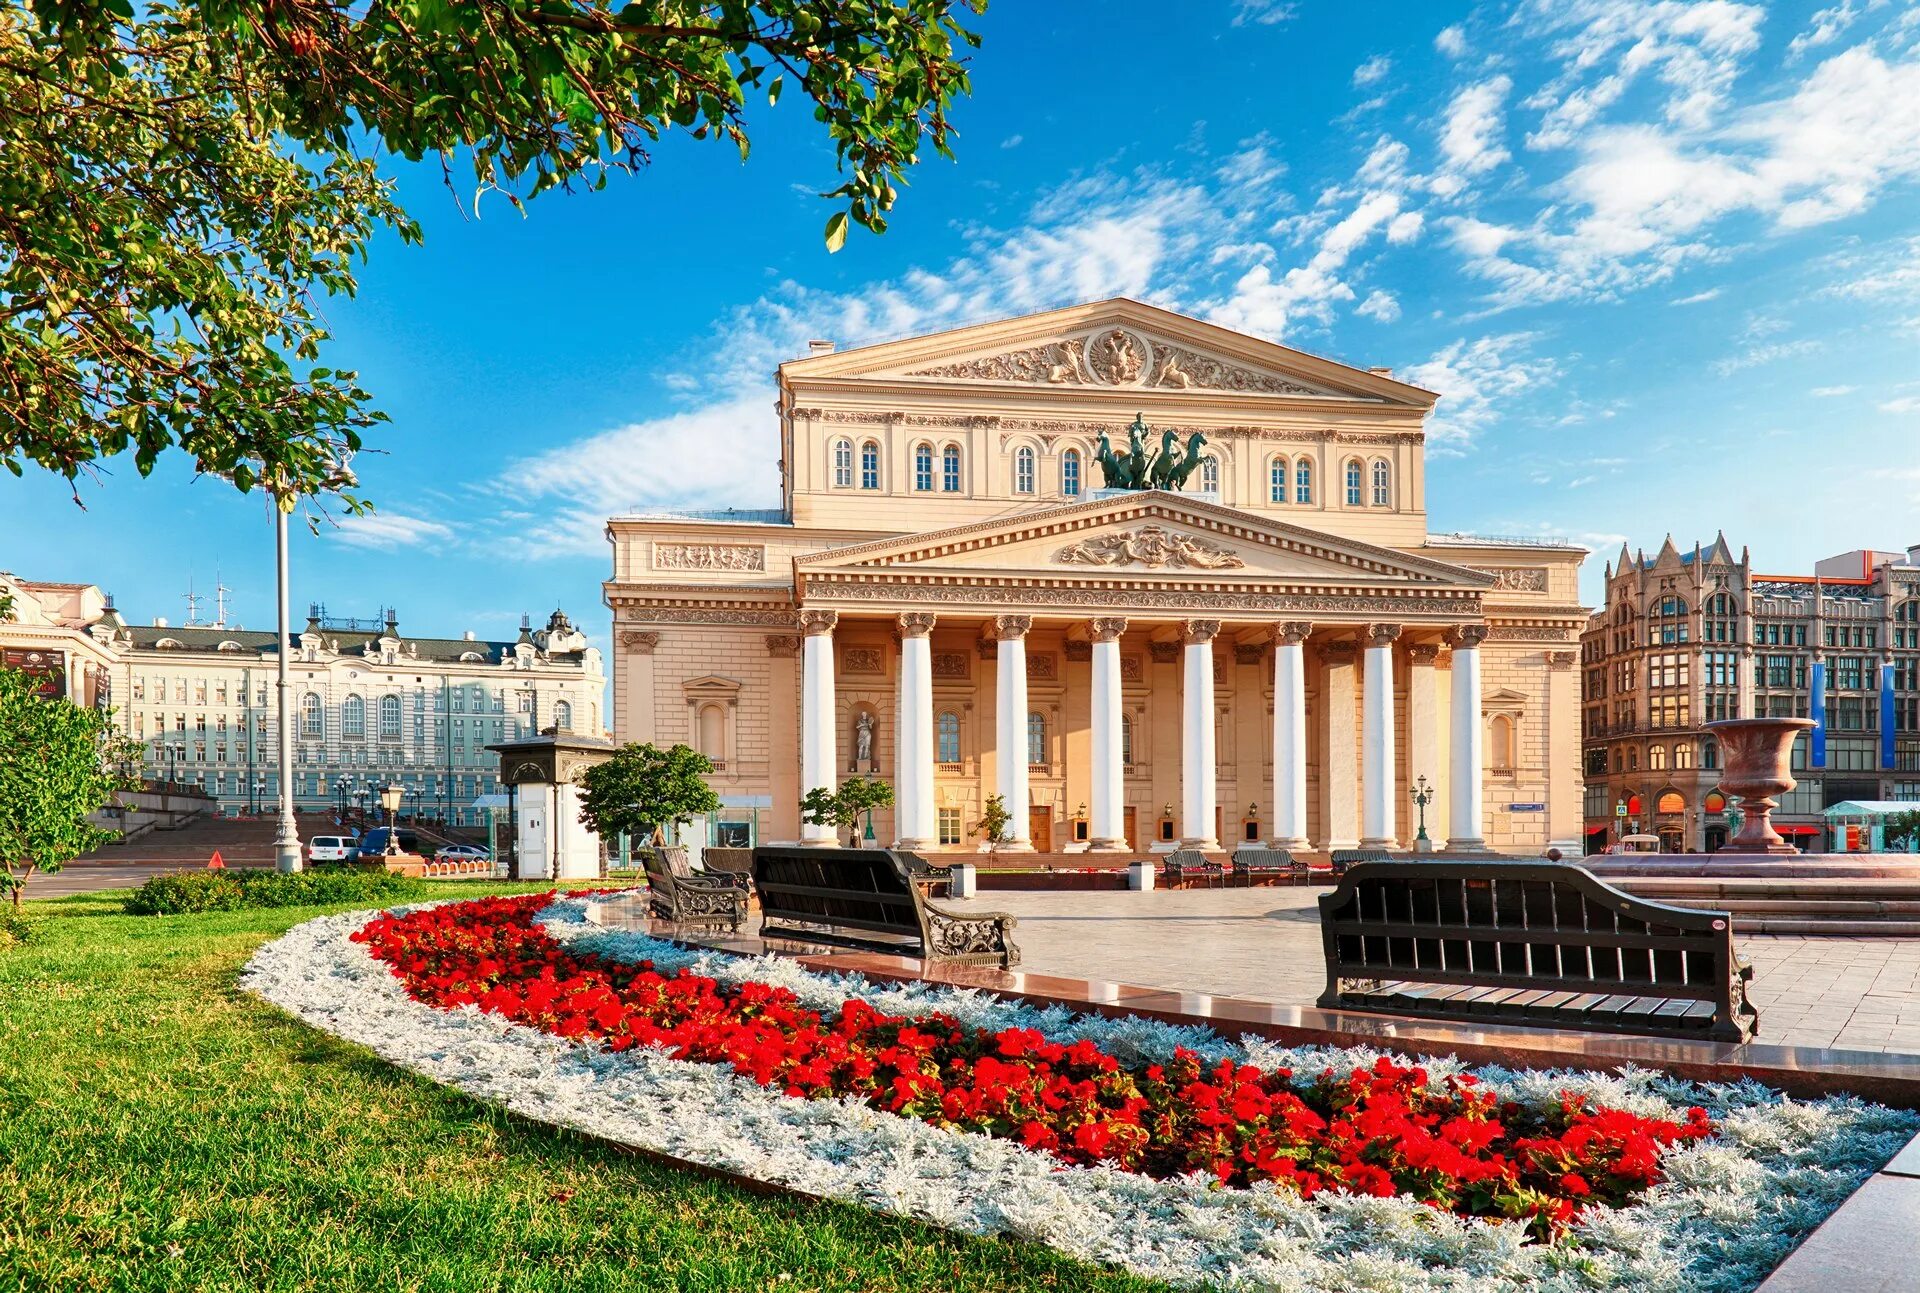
1670	803
1633	759
1619	761
843	464
1382	485
1710	754
713	732
1656	758
1023	470
1683	754
950	469
1070	473
389	718
923	467
311	722
1302	481
870	465
1356	484
1500	744
1210	475
1277	481
353	717
947	738
563	715
1126	740
1036	737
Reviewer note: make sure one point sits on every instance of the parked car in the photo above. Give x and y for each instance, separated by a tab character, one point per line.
462	853
374	842
332	848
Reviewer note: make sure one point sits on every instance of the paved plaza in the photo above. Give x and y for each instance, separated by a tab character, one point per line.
1846	993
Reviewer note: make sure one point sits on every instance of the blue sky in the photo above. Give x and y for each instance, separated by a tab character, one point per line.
1662	260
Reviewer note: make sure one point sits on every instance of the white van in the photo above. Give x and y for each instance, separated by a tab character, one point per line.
332	848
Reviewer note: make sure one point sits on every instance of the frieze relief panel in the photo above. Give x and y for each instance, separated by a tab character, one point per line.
1043	667
709	556
1155	599
861	660
1152	546
1516	579
1117	357
1132	669
951	664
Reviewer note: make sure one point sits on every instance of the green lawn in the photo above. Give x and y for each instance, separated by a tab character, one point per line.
159	1130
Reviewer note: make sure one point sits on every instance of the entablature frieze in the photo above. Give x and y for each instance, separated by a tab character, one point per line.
1412	605
1047	430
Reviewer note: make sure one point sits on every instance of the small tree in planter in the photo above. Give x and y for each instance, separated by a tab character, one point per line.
1898	830
642	789
58	763
848	807
993	824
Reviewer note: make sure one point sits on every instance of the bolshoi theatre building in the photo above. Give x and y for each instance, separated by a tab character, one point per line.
1269	648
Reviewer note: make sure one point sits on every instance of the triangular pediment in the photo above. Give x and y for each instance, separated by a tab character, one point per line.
1117	346
1153	534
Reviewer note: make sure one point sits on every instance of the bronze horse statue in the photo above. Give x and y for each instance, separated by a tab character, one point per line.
1139	468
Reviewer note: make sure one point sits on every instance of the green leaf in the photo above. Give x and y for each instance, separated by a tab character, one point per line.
836	231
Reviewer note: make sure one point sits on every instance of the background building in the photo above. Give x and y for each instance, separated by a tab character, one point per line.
47	635
1688	637
373	705
948	598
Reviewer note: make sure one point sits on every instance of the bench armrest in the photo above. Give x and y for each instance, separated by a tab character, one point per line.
950	934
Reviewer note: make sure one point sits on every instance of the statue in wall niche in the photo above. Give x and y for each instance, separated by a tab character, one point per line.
863	730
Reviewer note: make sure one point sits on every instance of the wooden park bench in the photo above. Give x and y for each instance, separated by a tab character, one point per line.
1538	943
1250	865
1344	858
1183	865
873	899
678	893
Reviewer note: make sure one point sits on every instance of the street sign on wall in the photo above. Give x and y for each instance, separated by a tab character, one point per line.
1526	808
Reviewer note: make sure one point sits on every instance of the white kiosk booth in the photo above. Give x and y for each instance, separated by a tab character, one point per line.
543	805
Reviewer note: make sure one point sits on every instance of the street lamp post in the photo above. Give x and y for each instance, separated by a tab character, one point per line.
1422	796
390	796
286	841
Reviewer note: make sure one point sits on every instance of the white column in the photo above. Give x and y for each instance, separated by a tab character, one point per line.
1379	787
1467	830
914	820
1108	827
1425	754
818	740
1290	735
1198	792
1010	729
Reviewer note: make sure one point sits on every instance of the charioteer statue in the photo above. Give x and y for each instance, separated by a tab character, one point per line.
1138	468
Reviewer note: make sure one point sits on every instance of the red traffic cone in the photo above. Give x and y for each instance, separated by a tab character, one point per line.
216	862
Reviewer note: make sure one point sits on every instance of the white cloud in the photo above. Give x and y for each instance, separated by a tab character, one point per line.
1452	41
1756	356
1897	276
1710	294
388	531
1827	26
719	456
1013	141
1263	13
1266	304
1831	392
1379	305
1473	379
1405	227
1471	141
1374	69
1904	404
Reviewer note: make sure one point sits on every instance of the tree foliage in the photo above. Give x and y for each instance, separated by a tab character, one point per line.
181	184
993	823
643	787
846	807
1900	829
59	762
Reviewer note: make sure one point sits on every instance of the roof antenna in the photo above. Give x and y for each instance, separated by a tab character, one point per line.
193	601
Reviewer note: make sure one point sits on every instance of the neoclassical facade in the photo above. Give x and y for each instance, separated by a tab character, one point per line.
949	599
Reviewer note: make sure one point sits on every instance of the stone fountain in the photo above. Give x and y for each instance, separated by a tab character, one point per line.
1757	757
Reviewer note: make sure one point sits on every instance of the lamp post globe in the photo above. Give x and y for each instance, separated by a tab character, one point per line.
390	797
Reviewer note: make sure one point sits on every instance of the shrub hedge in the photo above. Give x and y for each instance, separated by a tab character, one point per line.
181	892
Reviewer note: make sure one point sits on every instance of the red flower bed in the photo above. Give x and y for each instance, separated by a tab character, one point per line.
1383	1130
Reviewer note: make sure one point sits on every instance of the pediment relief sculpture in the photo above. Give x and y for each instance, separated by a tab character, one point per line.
1153	546
1118	357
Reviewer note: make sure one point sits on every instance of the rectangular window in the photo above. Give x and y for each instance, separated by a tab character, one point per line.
139	688
1848	674
950	826
1303	482
923	469
950	470
199	693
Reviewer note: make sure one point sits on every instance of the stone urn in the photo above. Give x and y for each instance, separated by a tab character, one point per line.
1757	755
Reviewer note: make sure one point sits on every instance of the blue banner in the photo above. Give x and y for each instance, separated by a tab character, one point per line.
1886	714
1817	710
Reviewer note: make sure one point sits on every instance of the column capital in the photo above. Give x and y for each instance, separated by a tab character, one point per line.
1108	628
783	645
1562	660
1465	637
1423	653
1194	632
916	624
1288	632
815	623
641	643
1379	635
1007	627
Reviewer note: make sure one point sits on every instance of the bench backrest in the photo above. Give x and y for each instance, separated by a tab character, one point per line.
1538	925
1265	860
862	889
1189	860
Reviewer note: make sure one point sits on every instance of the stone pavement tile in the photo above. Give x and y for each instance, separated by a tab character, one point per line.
1857	1250
1907	1161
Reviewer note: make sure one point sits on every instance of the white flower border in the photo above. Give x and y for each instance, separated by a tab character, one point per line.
1729	1210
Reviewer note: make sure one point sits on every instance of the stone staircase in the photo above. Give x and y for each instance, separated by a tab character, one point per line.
1824	894
239	841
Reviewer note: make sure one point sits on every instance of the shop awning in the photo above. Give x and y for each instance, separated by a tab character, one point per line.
1794	828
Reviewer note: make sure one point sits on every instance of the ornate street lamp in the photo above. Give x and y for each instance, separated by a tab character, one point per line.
1422	796
390	796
